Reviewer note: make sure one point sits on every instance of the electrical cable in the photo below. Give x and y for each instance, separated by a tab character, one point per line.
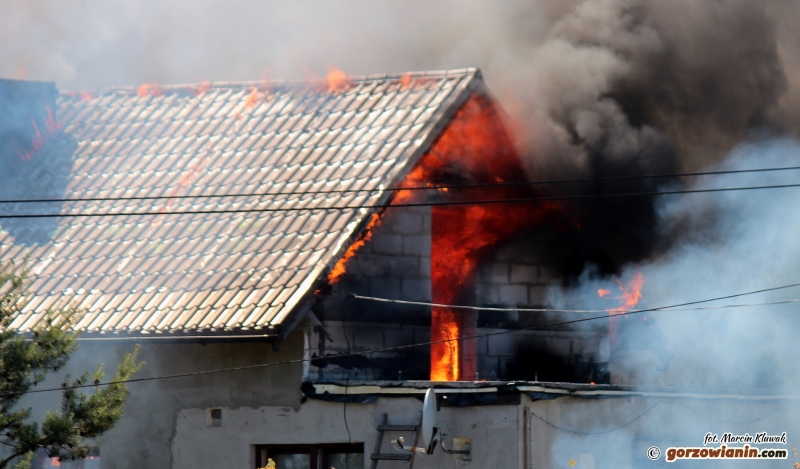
390	205
549	310
597	432
399	347
401	188
758	419
347	380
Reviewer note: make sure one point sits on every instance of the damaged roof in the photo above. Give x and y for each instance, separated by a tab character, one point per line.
231	263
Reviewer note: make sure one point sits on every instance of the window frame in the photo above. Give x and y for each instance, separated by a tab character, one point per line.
318	452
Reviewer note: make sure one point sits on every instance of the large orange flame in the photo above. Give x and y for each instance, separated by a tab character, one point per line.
474	149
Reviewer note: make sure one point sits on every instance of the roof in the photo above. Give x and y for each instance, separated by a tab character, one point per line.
212	272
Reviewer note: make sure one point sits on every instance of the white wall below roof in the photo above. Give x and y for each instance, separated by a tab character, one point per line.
144	433
504	436
493	429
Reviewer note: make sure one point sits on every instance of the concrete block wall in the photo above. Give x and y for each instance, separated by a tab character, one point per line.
519	275
339	337
395	263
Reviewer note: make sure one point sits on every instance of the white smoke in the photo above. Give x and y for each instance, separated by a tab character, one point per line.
751	245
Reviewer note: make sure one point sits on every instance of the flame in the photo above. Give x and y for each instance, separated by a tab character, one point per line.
341	266
631	294
475	148
148	89
86	96
337	80
406	81
201	88
602	293
477	145
40	139
629	297
252	98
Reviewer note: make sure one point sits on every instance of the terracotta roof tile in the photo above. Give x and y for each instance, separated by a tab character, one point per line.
213	271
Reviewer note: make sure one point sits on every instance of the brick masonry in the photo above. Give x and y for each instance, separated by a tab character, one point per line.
395	264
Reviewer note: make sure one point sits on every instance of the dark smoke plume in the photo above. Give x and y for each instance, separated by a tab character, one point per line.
624	87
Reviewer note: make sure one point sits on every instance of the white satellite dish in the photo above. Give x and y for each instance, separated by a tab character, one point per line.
428	429
432	435
429	419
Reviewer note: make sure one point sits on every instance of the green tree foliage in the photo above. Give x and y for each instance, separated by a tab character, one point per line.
25	361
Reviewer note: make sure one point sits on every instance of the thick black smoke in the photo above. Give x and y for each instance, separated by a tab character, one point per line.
625	87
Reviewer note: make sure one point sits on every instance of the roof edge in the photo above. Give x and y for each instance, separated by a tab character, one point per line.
290	83
440	120
538	390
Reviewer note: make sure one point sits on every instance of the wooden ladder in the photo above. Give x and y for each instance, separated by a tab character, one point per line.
385	427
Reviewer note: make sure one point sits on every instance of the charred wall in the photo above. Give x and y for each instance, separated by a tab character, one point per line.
393	263
518	275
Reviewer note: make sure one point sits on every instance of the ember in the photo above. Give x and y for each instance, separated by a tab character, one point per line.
251	99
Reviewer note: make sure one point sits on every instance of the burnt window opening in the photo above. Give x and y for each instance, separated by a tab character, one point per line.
213	417
333	456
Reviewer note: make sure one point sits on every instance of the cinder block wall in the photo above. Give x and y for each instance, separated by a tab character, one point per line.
518	275
395	263
520	271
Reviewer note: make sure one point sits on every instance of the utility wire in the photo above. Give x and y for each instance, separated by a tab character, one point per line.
389	205
421	303
597	432
401	188
757	419
550	310
399	347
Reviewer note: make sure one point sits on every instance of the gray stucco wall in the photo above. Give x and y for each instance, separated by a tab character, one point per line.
562	433
143	436
494	430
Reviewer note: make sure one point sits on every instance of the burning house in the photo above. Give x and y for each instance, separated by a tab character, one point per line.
299	259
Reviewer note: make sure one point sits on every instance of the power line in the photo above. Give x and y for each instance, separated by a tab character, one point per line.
401	188
389	205
550	310
597	432
399	347
566	430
